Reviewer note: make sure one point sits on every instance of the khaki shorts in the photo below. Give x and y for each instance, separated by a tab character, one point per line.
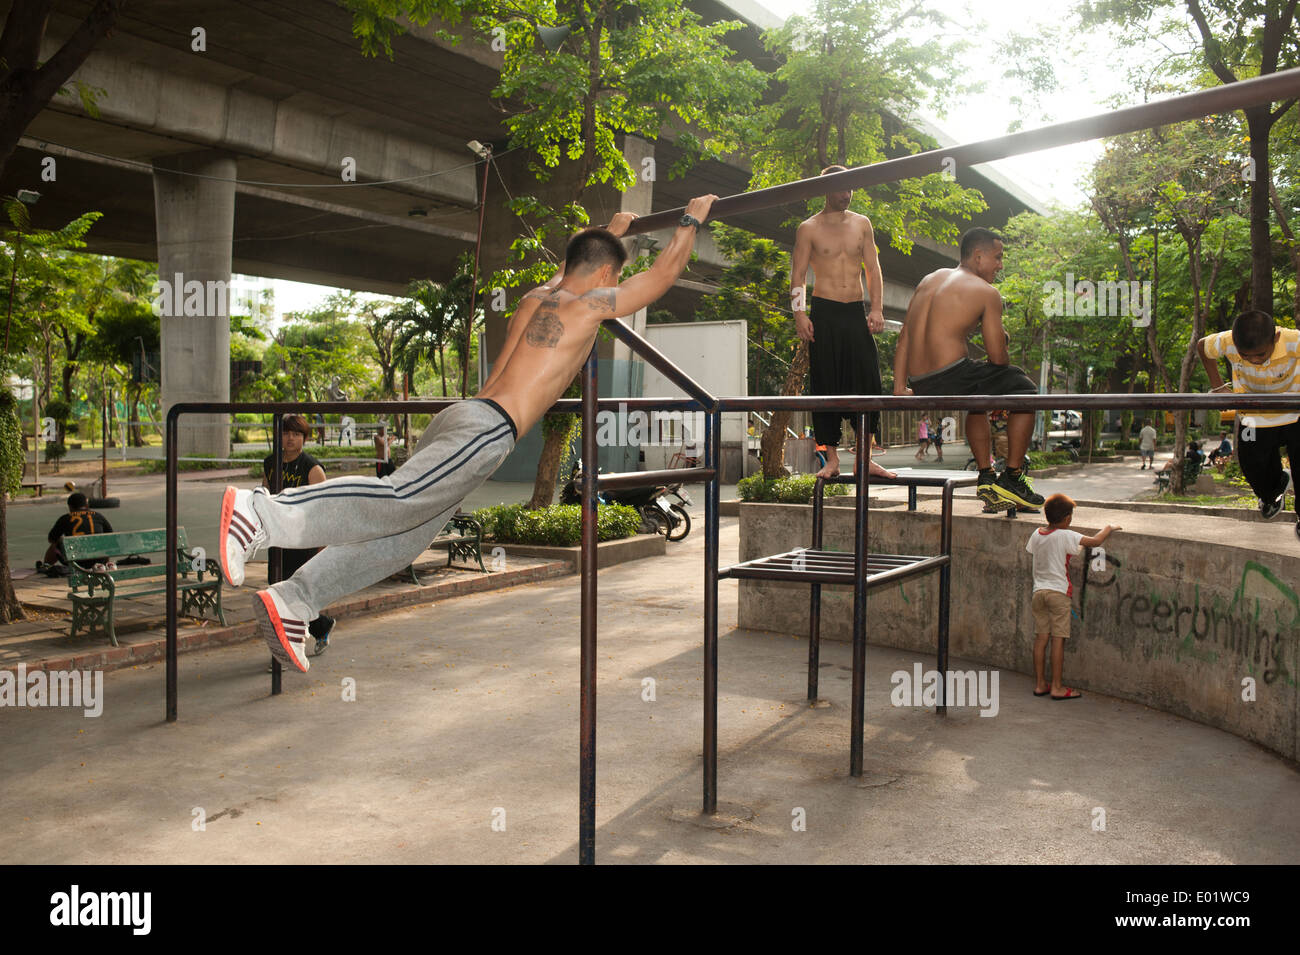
1051	613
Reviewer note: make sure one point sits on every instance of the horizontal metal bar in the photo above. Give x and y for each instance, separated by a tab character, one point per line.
908	477
1116	402
657	359
1173	109
847	403
627	479
416	406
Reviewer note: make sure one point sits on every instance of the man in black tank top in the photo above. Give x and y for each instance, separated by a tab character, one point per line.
299	469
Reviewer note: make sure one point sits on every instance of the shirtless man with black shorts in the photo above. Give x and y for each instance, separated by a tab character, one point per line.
371	527
947	307
839	245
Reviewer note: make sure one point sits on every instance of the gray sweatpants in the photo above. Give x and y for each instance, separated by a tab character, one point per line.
373	527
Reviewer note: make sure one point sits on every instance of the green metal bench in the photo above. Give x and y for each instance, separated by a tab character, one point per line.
92	592
463	537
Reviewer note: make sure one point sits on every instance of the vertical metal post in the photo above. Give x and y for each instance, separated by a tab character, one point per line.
911	497
945	582
103	446
712	459
815	594
587	664
274	556
860	475
172	566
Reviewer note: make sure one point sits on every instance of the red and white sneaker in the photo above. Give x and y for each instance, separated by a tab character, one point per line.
284	629
239	534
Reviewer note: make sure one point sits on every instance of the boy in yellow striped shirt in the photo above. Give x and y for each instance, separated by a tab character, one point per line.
1265	360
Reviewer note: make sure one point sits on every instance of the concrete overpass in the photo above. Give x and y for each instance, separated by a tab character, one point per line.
232	157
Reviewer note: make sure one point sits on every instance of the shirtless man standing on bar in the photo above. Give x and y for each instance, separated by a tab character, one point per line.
373	527
946	308
839	244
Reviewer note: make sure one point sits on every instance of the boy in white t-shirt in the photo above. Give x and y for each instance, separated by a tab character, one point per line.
1052	547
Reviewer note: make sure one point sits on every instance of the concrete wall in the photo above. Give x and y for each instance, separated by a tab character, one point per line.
1177	625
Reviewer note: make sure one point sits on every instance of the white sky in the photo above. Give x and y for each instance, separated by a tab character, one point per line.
1090	69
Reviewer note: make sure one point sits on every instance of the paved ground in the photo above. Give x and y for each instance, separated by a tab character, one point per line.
466	712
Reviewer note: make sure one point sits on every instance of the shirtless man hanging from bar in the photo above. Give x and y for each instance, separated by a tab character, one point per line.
839	244
373	527
946	308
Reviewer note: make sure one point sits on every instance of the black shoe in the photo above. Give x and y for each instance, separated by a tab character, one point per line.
1270	509
1018	489
984	489
320	629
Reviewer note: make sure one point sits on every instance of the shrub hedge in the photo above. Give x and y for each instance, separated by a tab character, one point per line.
559	525
786	490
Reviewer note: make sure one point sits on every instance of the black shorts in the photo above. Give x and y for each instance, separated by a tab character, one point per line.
967	377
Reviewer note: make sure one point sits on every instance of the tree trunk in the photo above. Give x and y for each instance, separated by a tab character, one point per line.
10	609
1259	122
1292	247
773	443
554	441
133	415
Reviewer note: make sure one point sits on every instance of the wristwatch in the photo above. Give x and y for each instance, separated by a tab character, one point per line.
691	221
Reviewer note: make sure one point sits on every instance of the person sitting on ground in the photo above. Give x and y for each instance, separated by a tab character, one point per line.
376	526
1052	547
1147	445
1264	361
78	522
932	359
299	469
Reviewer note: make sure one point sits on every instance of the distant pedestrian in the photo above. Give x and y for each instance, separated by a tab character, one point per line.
1147	445
923	437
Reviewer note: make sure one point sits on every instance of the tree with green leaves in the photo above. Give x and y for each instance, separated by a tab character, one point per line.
27	82
852	75
1180	173
32	295
1235	41
647	68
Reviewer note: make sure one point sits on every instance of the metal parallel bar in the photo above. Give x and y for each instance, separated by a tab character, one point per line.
657	359
815	595
275	555
856	403
712	455
845	577
626	479
173	567
847	403
945	592
862	473
911	497
587	663
1219	99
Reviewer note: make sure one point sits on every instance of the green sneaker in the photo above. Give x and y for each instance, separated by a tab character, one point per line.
1018	489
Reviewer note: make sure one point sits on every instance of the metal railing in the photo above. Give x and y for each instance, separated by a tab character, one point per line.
1279	86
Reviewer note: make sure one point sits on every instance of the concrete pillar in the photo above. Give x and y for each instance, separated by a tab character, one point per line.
195	220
